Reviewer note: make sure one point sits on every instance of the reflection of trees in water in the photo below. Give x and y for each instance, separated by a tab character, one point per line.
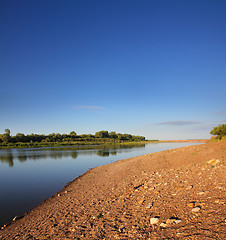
74	155
103	153
8	158
22	158
106	152
64	152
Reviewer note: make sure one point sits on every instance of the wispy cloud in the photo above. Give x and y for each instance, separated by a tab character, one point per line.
88	107
177	123
219	112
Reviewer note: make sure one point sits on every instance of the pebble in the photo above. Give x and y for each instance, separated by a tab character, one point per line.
15	218
177	221
213	161
196	209
201	193
149	205
141	201
218	201
163	225
173	220
170	221
154	220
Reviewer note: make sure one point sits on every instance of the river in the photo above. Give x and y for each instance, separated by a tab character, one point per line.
28	176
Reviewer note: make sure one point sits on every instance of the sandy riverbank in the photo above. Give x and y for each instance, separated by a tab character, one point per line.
175	189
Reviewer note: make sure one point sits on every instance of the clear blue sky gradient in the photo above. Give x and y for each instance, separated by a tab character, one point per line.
151	68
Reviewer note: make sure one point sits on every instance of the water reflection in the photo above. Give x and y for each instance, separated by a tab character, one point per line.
8	159
23	155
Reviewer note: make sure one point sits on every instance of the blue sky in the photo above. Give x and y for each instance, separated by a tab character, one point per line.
151	68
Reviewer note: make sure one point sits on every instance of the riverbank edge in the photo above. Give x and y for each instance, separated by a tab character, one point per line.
67	144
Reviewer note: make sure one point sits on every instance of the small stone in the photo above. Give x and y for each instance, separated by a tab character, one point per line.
15	218
177	221
170	221
141	201
173	220
213	161
196	209
154	220
189	187
149	205
201	193
163	225
58	195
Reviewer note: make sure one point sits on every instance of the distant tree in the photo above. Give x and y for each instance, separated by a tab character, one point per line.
73	133
7	131
219	131
112	135
102	134
20	137
119	136
126	136
6	138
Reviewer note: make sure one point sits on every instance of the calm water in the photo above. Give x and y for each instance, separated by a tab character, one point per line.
28	176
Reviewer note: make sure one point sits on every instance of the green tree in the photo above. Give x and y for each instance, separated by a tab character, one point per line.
219	131
6	138
112	135
73	133
7	131
20	137
102	134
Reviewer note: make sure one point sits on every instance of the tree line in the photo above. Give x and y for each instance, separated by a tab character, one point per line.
21	139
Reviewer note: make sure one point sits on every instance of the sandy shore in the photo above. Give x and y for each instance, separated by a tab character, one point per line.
174	194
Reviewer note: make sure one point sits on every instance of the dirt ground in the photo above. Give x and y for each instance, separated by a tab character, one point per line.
174	194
